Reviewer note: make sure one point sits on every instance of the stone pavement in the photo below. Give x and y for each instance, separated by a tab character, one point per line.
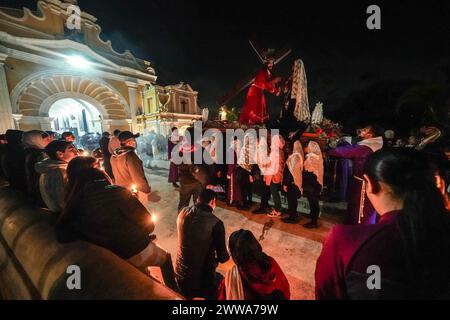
295	248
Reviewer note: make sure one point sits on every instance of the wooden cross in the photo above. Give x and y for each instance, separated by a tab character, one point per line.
278	56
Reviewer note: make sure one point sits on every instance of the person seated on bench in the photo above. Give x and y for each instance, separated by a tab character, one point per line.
112	217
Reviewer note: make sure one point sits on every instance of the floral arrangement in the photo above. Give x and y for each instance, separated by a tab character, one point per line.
327	129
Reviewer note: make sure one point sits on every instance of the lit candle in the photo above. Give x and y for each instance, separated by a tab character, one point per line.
85	154
134	189
154	217
223	115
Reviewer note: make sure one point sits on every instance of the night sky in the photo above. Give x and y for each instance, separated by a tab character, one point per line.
204	43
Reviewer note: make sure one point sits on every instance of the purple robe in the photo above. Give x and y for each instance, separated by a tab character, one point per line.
173	170
343	175
234	195
359	155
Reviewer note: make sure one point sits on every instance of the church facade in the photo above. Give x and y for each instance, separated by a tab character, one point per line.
168	106
53	77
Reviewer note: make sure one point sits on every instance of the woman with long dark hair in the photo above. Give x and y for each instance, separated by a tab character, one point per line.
406	255
255	276
75	166
111	217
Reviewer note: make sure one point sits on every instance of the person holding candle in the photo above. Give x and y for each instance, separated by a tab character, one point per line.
111	217
128	169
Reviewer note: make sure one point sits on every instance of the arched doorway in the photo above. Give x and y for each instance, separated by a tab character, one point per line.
36	94
75	115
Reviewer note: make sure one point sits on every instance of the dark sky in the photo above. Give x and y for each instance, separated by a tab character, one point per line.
204	43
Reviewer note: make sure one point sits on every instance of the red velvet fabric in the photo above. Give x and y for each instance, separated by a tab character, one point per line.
354	248
254	110
260	284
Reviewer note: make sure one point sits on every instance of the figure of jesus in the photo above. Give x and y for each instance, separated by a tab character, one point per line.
255	110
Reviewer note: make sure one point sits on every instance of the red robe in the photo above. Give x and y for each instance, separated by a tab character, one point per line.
261	284
341	270
254	110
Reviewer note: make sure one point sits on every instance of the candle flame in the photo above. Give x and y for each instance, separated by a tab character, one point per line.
134	188
154	218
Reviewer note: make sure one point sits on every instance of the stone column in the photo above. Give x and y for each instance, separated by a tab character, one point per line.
130	123
133	96
106	123
17	118
6	118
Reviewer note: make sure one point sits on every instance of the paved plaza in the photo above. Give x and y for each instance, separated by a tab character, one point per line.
295	248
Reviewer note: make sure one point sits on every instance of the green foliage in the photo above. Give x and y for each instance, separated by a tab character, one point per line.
233	114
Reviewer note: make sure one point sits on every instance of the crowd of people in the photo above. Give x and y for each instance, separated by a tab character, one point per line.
397	216
297	174
391	188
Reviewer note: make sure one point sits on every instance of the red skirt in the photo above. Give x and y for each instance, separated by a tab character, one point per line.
254	110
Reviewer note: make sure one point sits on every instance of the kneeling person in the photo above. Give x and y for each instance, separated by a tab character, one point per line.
201	247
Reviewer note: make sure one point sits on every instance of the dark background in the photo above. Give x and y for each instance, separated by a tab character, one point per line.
398	76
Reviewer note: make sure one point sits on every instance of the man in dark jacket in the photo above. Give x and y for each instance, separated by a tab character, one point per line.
34	146
128	169
13	161
104	143
193	176
201	247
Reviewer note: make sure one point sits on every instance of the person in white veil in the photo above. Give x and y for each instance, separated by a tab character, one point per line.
293	181
246	161
262	161
274	176
313	181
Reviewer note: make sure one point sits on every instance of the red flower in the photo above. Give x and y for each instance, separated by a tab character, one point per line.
319	130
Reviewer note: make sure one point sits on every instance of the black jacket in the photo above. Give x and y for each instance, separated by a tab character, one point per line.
3	149
190	173
201	237
110	217
33	156
104	143
13	161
